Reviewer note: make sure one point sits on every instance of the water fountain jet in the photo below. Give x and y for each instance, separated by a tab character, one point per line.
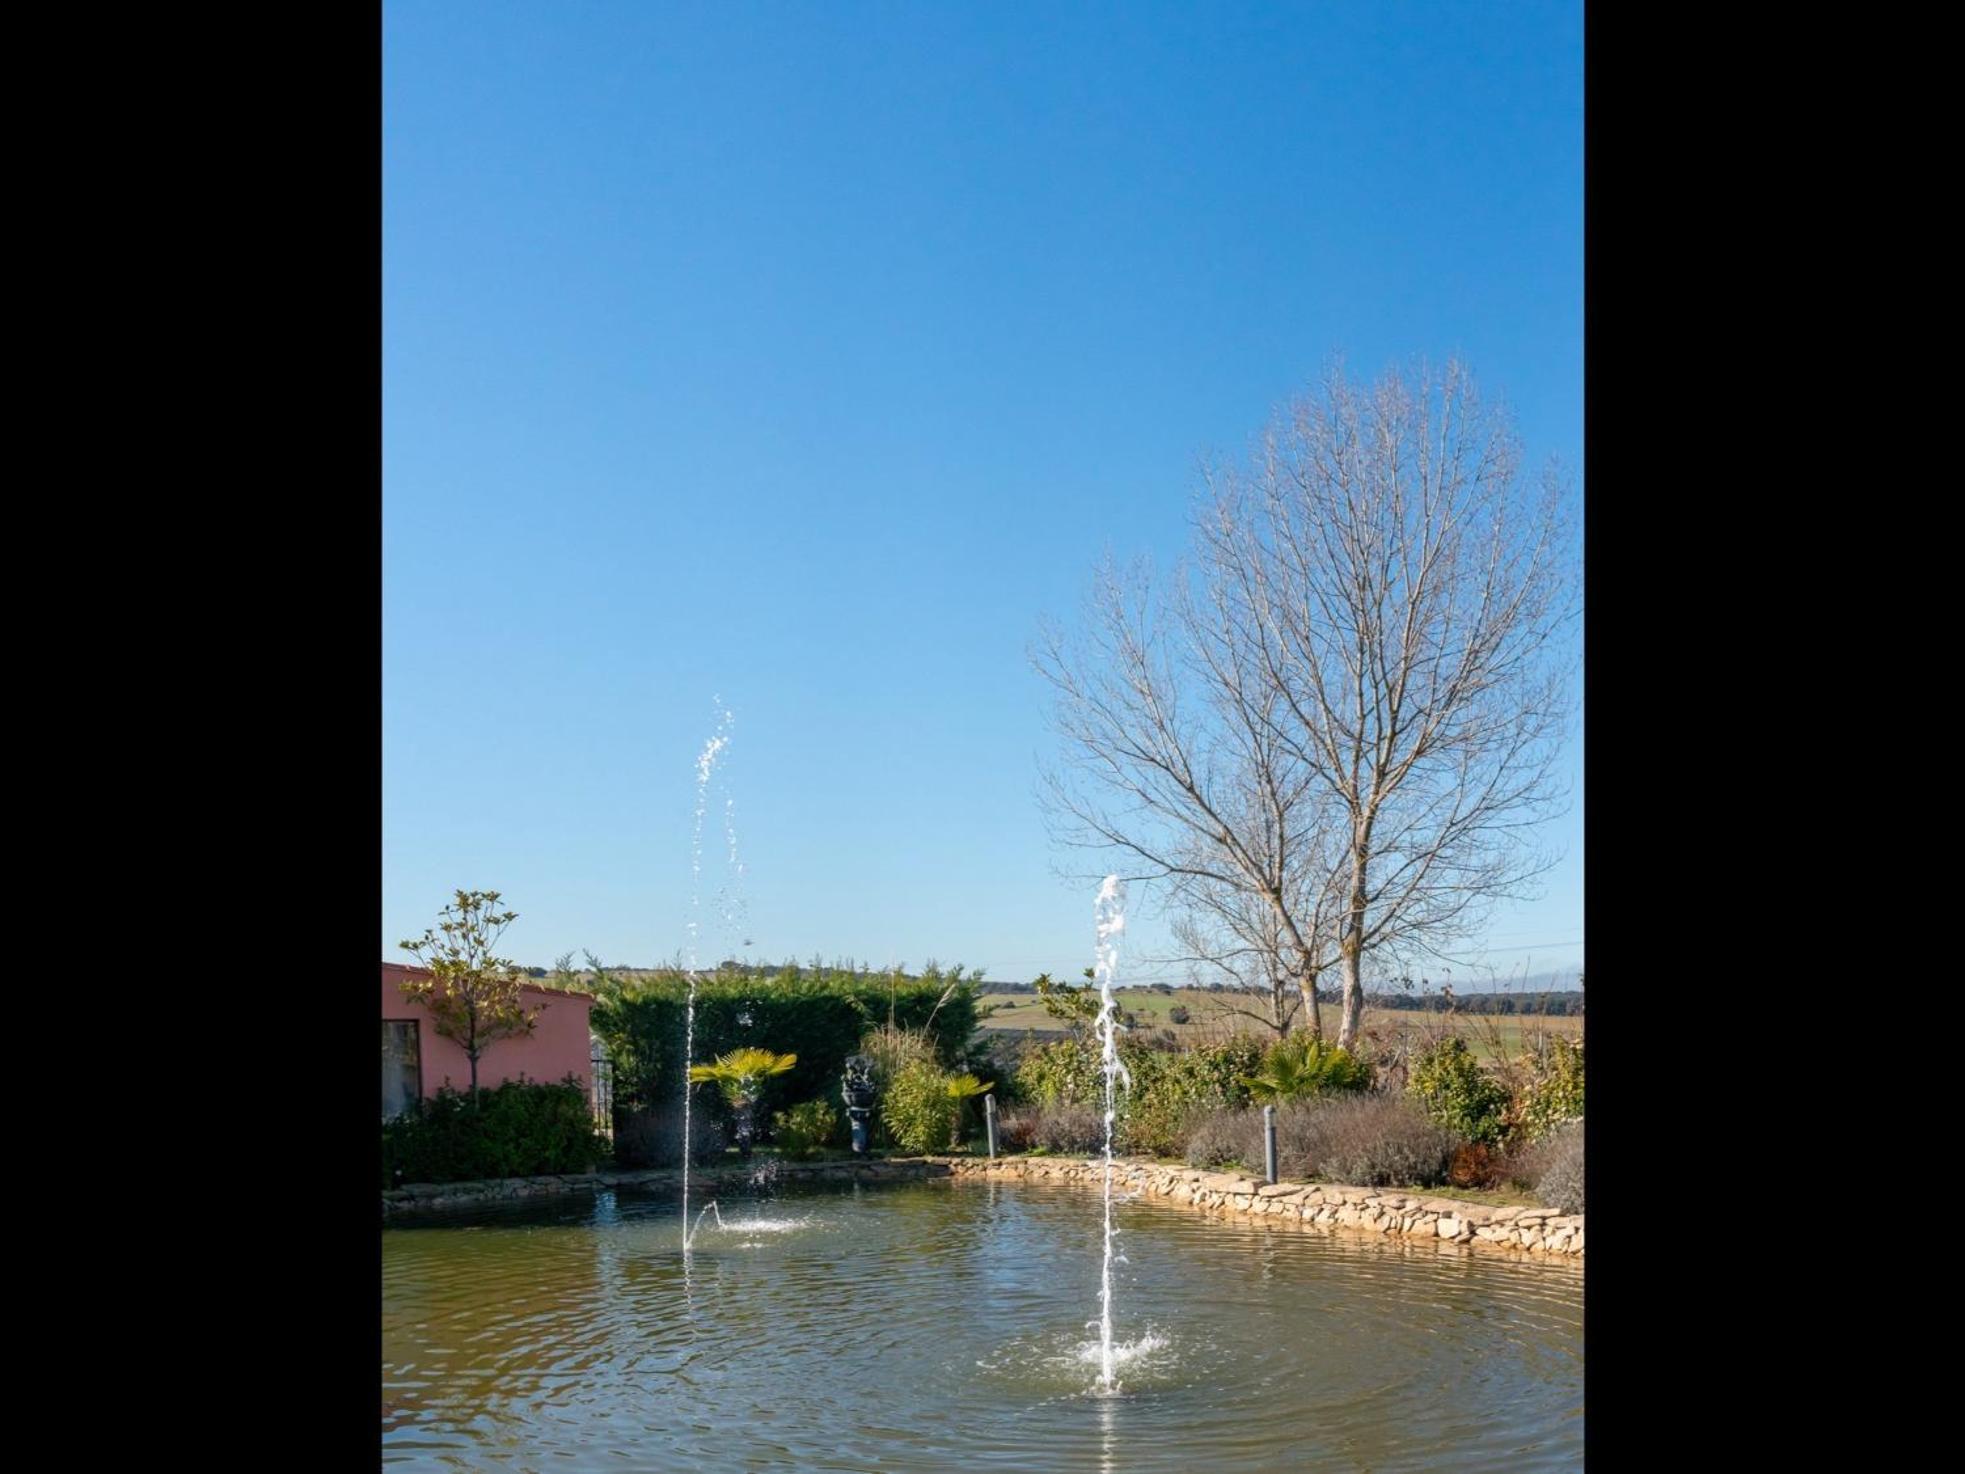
1110	912
705	764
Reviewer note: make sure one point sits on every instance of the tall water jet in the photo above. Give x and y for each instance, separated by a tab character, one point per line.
705	765
1110	911
733	907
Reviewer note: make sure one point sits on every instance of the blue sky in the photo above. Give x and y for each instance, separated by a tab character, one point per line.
804	355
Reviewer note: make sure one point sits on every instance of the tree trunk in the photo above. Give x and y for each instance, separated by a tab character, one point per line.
1307	984
1354	998
1351	947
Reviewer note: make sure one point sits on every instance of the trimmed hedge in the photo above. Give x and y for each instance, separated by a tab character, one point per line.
651	1136
521	1128
819	1017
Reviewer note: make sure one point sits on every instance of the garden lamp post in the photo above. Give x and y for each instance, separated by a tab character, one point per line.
858	1090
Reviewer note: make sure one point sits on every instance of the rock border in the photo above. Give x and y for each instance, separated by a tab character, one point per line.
1318	1206
427	1197
1307	1205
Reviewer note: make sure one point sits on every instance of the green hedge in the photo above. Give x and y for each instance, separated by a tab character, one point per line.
518	1129
818	1017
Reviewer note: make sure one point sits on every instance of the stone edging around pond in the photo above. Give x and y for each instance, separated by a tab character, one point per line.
436	1196
1308	1205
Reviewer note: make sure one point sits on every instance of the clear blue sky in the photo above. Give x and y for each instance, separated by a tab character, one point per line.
804	355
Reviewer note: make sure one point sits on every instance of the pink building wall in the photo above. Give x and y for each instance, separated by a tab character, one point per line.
557	1047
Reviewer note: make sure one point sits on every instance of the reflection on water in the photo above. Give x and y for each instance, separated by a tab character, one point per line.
929	1326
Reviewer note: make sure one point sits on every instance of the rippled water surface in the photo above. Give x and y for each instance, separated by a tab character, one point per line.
938	1325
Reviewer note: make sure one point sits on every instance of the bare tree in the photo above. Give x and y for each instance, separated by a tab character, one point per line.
1334	734
1401	592
1173	758
1233	937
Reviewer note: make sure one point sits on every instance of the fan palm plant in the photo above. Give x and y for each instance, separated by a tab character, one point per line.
740	1075
1303	1066
960	1088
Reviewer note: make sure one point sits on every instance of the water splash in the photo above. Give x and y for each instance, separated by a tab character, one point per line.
689	1234
745	1228
1125	1352
705	765
1110	911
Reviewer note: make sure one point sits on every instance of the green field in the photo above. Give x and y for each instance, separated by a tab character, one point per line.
1210	1019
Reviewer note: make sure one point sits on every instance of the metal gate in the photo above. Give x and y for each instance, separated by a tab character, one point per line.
601	1077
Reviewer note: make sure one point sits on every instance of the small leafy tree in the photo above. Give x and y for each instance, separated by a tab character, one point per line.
1074	1007
474	997
741	1074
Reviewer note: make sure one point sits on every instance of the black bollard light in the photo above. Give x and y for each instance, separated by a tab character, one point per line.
1269	1141
857	1088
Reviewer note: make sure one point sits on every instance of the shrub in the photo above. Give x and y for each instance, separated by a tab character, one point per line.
806	1128
1073	1129
916	1108
1554	1095
1561	1183
1360	1140
1366	1140
893	1048
1474	1165
518	1129
1225	1138
1016	1129
1456	1092
1171	1088
1179	1014
652	1136
1552	1169
1064	1071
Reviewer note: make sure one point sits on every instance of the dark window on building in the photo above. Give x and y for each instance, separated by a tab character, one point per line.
402	1067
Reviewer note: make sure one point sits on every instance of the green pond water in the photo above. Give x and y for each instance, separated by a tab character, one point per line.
942	1325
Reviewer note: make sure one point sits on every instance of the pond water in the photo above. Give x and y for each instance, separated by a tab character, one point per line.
941	1325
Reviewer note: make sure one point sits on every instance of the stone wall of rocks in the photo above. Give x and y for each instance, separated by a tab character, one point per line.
439	1196
1307	1205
